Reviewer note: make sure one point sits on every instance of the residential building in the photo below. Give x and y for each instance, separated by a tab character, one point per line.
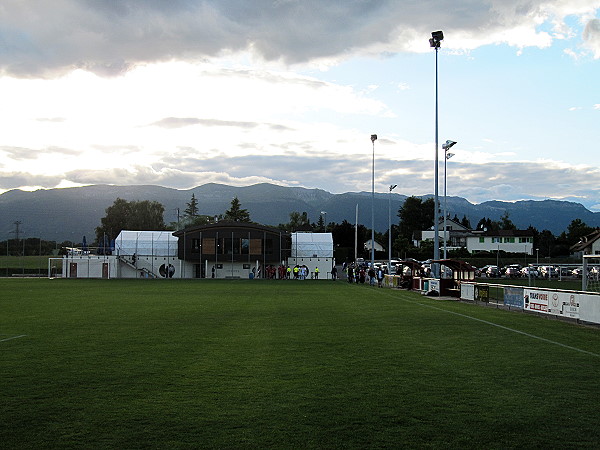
458	236
587	245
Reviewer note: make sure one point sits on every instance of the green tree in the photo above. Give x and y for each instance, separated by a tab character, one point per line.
320	224
465	222
506	223
134	215
487	224
545	243
235	213
576	230
192	207
298	222
415	215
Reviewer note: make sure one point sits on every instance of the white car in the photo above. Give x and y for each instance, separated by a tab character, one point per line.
525	271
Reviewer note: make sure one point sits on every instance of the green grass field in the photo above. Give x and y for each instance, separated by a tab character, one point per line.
253	364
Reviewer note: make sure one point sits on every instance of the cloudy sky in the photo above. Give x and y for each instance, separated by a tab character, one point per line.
180	93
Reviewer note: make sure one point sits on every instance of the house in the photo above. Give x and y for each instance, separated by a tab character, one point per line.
510	241
455	234
458	236
587	245
378	246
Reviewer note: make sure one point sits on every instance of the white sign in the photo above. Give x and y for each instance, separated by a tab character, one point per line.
564	304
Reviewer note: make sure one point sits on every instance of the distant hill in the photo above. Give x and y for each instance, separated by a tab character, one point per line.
71	213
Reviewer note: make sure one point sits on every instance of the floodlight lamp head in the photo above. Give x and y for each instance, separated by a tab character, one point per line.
449	155
373	137
436	39
448	144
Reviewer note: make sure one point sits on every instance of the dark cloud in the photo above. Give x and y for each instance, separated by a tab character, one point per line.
109	36
591	35
16	180
476	182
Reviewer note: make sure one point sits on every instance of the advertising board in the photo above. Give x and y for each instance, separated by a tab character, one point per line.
467	291
482	293
513	297
564	304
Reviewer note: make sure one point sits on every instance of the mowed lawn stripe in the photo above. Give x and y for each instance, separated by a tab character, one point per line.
209	363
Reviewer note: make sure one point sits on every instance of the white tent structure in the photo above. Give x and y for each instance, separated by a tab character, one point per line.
312	245
313	250
137	254
146	243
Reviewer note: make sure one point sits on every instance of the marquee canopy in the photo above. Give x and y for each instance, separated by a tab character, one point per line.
312	245
146	243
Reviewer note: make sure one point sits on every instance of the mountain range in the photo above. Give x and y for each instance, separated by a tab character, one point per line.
68	214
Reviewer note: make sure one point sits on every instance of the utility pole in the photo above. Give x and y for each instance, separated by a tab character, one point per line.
17	224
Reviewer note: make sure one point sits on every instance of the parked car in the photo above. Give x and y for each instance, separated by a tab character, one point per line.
526	271
577	272
565	272
548	272
492	272
513	271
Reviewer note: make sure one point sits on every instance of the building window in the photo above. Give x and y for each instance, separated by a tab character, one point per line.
196	245
269	247
245	244
208	244
481	240
508	240
256	246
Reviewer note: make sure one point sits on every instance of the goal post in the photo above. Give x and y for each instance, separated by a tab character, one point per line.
590	274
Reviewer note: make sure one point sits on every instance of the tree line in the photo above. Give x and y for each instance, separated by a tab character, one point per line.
415	214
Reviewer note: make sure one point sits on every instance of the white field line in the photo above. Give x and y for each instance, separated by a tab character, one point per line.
13	337
533	336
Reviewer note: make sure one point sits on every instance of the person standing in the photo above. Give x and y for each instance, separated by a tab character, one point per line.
316	273
371	274
380	277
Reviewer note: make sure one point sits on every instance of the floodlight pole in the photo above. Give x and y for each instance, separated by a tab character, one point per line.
447	156
373	139
392	187
435	42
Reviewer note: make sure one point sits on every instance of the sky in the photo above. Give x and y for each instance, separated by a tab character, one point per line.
188	92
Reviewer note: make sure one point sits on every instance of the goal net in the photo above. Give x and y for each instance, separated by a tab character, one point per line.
590	273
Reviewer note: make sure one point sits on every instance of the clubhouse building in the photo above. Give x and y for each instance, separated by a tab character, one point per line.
232	250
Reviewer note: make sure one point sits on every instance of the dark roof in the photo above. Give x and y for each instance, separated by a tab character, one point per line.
586	241
229	225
